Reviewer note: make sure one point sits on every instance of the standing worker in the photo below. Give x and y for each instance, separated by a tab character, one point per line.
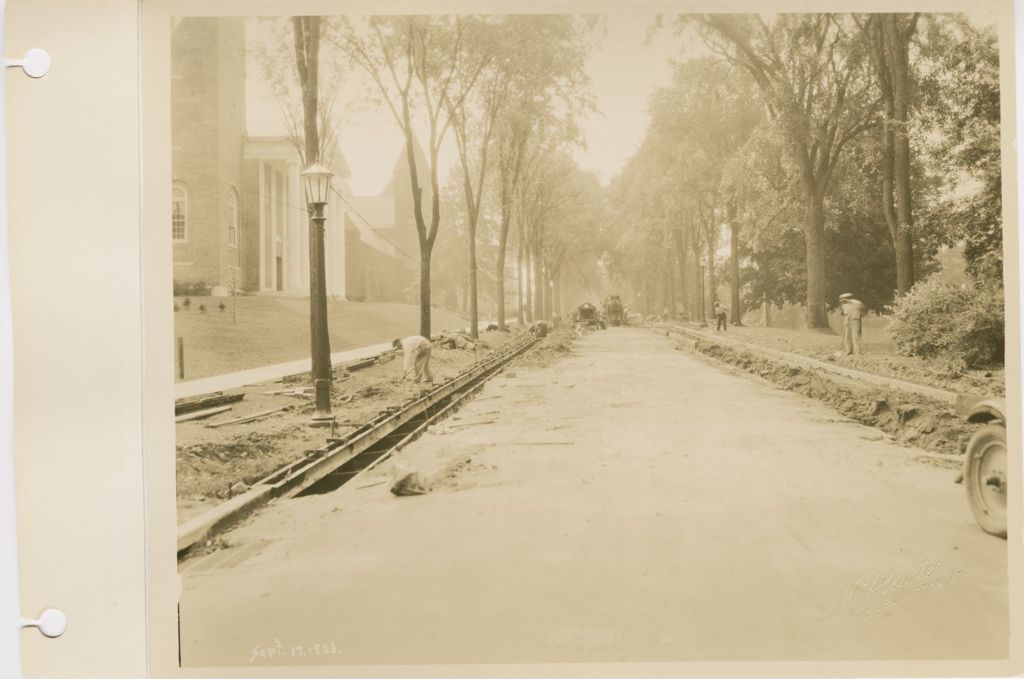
852	310
721	317
417	357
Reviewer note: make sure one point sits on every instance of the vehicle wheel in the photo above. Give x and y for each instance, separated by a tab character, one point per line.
985	478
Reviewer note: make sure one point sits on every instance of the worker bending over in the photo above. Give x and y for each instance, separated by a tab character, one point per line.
417	358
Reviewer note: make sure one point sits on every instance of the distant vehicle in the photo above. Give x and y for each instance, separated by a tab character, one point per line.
984	473
586	315
614	311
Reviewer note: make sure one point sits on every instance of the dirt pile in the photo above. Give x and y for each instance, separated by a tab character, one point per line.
210	469
557	345
910	419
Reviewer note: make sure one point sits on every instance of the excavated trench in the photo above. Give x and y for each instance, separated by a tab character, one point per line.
909	418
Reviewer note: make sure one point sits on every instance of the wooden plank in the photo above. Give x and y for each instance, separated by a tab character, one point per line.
201	414
212	401
248	418
361	363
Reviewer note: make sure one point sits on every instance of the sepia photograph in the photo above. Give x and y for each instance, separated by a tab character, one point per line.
621	337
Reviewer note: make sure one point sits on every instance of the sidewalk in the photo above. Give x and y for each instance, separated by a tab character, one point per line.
269	373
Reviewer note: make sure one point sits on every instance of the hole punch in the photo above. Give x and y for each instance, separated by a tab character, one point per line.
51	623
35	63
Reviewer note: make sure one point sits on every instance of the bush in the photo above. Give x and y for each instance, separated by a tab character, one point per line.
963	325
191	288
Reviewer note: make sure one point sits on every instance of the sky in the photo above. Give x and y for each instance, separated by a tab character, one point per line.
623	71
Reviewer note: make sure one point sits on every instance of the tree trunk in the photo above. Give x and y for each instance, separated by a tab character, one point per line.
904	245
712	294
474	312
898	41
556	293
499	273
683	286
540	313
520	283
734	270
700	285
425	290
528	286
307	49
814	229
890	51
671	283
549	301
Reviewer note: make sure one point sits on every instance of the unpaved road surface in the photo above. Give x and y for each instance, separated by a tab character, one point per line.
628	503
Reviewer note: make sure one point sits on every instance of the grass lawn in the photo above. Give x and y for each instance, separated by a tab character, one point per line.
270	330
879	354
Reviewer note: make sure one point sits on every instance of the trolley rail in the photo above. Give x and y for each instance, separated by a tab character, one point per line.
329	467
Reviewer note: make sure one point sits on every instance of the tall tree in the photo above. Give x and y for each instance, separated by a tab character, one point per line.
307	63
473	122
960	108
889	36
810	72
426	65
274	59
548	90
702	122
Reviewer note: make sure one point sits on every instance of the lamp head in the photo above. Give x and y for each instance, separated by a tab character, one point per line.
317	180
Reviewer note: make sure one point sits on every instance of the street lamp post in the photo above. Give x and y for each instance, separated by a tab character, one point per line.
317	180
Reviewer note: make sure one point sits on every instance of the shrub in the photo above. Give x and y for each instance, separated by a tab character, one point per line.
963	325
191	288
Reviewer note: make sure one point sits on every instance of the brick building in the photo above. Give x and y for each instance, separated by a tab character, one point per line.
208	127
238	215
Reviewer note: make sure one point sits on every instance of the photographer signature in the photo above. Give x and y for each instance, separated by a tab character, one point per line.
867	596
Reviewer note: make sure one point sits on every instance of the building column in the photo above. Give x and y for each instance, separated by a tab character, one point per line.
298	231
261	280
275	227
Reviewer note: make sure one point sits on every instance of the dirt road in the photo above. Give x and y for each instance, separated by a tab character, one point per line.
629	503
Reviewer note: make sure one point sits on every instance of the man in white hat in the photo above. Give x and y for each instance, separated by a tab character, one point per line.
852	310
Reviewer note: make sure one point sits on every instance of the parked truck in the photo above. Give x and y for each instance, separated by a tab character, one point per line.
614	311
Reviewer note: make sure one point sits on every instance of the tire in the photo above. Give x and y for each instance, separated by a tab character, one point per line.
985	478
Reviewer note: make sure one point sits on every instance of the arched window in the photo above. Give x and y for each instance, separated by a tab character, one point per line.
232	218
179	213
